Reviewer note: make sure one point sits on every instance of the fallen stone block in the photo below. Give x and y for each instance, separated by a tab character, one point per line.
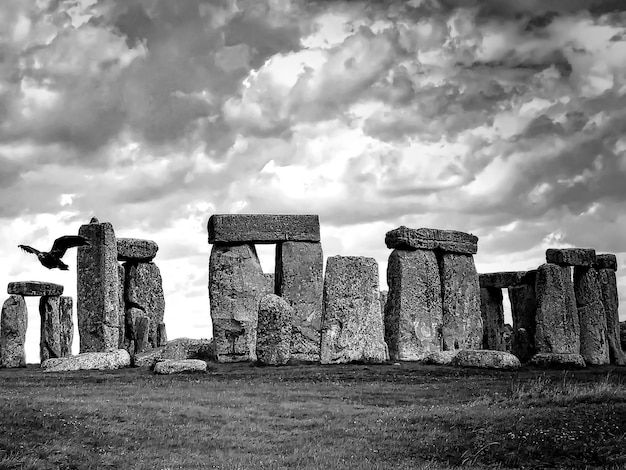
136	250
170	366
273	339
556	360
117	359
263	228
404	238
13	323
506	279
440	357
34	288
179	348
594	346
486	359
606	261
571	256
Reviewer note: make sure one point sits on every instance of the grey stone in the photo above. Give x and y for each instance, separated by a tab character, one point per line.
492	312
66	336
384	295
133	314
144	290
270	280
622	334
352	324
523	313
263	228
507	335
558	360
142	329
300	282
179	348
161	335
452	241
557	326
109	360
413	315
606	261
170	366
13	323
136	250
34	288
50	340
443	358
486	359
236	285
610	302
273	340
594	346
97	303
462	322
506	279
121	277
571	256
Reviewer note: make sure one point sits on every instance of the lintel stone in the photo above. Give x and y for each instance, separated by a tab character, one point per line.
262	228
34	288
136	249
571	256
506	279
606	261
452	241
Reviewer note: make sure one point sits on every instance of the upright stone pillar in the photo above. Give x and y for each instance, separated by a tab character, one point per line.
299	281
121	289
606	264
50	342
523	313
492	311
144	290
13	323
352	324
273	345
66	305
236	284
594	346
97	290
413	312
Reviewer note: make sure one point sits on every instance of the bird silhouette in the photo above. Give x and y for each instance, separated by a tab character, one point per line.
52	259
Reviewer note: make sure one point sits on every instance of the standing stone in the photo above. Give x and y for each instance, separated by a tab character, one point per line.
610	302
352	324
492	312
50	342
462	322
121	278
66	305
97	290
13	323
236	284
142	329
273	344
161	335
557	326
144	290
270	280
384	295
523	313
413	314
594	346
299	281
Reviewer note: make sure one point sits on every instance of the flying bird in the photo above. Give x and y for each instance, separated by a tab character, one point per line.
52	259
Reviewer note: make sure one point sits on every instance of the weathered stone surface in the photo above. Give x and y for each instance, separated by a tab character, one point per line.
594	346
486	359
170	366
443	358
161	335
136	250
492	312
123	342
452	241
236	285
462	322
610	302
144	290
97	303
523	312
352	324
413	315
507	335
558	360
384	295
263	228
142	329
13	323
179	348
66	336
503	280
622	334
132	316
34	288
50	339
571	256
109	360
270	280
273	340
606	261
557	326
300	282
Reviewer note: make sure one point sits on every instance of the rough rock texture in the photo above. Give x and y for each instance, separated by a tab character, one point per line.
610	302
507	335
622	335
384	295
132	316
404	238
413	314
135	249
523	312
263	228
299	281
492	312
594	345
170	366
13	323
97	303
440	357
236	285
179	348
462	322
557	360
502	280
606	261
273	340
123	337
486	359
571	256
557	326
66	336
142	330
352	324
50	339
144	290
270	280
161	335
117	359
34	288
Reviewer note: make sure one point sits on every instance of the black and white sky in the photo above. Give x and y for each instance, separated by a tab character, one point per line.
503	118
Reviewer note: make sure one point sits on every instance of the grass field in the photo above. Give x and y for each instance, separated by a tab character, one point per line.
335	417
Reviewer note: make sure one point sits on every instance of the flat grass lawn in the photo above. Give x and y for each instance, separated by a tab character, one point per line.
406	416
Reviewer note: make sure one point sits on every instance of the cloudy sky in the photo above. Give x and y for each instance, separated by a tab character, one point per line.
506	119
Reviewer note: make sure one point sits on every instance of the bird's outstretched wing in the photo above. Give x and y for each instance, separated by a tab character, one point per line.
61	244
29	249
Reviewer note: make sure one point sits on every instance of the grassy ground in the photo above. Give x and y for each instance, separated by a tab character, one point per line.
305	417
